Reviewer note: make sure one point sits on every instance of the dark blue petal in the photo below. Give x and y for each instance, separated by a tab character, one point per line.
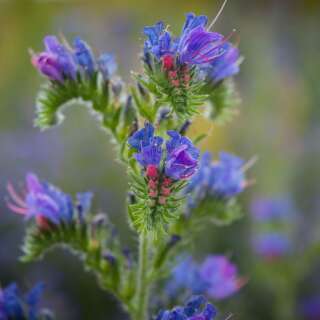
84	56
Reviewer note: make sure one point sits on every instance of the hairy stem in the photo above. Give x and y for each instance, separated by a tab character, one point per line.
142	281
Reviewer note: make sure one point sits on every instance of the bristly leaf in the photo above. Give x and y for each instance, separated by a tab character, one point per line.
148	214
53	96
184	99
223	101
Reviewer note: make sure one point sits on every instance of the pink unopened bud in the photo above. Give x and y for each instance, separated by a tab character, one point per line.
172	74
175	83
42	222
162	200
152	184
153	193
152	171
166	182
167	62
165	191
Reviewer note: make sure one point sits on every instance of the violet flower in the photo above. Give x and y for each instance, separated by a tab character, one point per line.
196	308
182	157
272	245
221	276
44	202
56	62
14	306
226	65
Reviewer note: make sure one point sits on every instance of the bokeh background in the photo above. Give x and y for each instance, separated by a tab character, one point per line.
278	121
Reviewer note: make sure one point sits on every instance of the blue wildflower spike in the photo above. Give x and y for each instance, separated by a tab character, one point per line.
165	169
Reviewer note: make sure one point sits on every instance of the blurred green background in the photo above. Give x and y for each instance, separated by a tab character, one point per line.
278	121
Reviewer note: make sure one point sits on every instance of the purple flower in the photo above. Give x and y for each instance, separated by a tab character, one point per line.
44	202
182	157
14	306
56	62
226	65
195	46
196	308
107	65
190	280
223	178
271	245
142	138
279	208
310	308
84	56
221	276
150	154
158	40
200	46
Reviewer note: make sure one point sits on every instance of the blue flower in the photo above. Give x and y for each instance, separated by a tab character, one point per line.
150	154
266	209
44	202
221	179
142	138
182	157
181	279
158	40
14	306
84	56
107	65
196	308
226	65
272	245
56	62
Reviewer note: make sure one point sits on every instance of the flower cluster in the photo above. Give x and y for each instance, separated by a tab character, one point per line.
46	203
13	305
60	62
272	216
216	276
178	160
222	179
196	46
310	308
196	308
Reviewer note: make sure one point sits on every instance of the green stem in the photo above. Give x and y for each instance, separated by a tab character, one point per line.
142	281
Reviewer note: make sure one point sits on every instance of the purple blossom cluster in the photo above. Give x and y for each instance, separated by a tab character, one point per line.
14	305
60	62
196	308
310	308
222	179
272	216
216	277
196	46
46	203
163	165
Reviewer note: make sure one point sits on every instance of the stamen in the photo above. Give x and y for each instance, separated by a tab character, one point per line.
229	316
14	208
250	163
15	196
218	15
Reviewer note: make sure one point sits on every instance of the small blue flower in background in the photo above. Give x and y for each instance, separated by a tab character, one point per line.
182	157
310	308
13	305
45	202
272	245
216	276
196	308
221	276
107	65
84	56
267	209
180	279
